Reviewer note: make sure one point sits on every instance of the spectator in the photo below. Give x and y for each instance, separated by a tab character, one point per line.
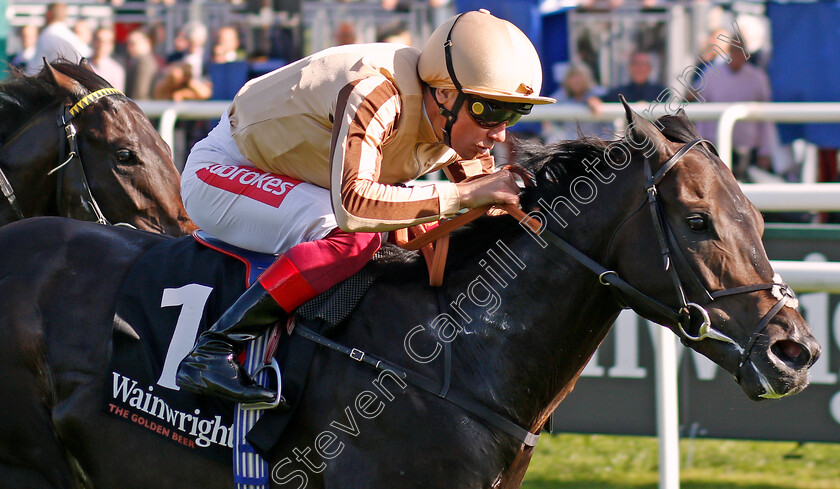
83	29
640	88
28	40
345	33
102	62
194	36
177	83
142	66
405	5
578	88
56	40
712	56
394	32
181	44
739	81
227	48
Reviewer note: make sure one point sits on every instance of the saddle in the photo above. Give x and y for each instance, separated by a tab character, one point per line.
178	288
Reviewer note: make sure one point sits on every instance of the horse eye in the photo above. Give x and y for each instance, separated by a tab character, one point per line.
124	155
697	222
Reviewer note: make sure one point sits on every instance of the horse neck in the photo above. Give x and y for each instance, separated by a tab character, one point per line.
549	319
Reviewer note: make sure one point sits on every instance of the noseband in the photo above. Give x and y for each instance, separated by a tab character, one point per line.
682	316
65	120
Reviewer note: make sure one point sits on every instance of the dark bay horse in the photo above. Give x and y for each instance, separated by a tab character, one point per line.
522	318
72	146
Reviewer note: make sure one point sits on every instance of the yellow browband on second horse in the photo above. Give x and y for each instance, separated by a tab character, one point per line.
91	98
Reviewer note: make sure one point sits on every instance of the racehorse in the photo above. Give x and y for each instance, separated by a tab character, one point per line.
73	146
523	308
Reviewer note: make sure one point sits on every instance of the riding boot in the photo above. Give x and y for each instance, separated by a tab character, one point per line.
212	368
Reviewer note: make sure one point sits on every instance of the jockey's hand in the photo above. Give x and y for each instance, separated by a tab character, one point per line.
493	188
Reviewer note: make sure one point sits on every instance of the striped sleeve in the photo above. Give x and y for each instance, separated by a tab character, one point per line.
463	169
367	112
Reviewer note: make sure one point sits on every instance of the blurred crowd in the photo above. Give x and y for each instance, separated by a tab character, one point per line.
203	64
134	66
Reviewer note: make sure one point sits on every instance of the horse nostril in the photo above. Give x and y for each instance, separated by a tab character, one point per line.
793	354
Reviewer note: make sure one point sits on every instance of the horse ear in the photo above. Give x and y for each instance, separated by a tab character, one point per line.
84	63
681	113
60	79
641	134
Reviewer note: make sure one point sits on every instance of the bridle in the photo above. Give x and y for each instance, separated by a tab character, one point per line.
681	317
65	119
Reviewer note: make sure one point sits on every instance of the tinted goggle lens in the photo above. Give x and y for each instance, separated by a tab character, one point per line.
491	114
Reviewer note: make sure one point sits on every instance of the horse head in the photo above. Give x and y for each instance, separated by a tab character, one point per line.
709	265
113	165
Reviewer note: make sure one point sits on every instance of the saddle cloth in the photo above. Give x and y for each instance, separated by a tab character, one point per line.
173	293
321	314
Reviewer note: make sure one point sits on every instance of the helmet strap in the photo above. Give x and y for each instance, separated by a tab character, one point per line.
450	114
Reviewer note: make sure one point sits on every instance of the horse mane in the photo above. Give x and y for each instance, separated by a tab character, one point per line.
553	167
21	96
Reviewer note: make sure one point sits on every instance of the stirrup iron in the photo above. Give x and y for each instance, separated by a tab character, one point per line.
254	406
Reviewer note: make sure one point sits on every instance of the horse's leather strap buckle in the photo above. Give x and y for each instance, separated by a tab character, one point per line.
357	354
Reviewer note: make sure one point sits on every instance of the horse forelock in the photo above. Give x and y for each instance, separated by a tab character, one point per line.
679	129
22	97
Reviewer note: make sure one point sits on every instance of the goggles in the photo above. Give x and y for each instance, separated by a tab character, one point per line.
487	113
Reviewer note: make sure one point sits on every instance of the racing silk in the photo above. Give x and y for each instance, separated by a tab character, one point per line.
350	119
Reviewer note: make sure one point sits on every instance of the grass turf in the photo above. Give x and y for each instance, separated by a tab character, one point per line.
568	461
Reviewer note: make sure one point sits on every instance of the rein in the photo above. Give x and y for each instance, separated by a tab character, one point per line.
65	120
680	317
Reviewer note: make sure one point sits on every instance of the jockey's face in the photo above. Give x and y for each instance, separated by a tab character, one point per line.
469	139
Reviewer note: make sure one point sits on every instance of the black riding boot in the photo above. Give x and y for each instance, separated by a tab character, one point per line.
212	368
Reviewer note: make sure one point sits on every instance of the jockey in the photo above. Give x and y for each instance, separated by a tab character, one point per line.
309	162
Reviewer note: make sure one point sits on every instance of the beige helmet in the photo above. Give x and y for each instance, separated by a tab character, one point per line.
485	56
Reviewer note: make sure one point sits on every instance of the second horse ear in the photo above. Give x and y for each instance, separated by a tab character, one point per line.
84	63
61	80
641	134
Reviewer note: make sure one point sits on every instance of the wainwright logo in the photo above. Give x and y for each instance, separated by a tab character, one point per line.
142	407
250	182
